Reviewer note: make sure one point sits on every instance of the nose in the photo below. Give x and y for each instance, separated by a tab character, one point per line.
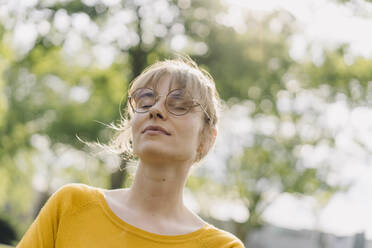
158	109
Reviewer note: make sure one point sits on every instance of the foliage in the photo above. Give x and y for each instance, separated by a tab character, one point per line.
7	232
342	75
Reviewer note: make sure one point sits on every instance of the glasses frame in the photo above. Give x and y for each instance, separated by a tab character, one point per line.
157	97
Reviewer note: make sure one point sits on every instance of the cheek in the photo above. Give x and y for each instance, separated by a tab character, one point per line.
193	133
135	124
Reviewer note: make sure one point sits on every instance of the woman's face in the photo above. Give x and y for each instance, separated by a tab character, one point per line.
180	138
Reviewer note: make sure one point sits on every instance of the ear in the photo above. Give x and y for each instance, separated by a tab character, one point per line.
214	135
211	138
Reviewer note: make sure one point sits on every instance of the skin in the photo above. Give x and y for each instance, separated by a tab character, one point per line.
154	202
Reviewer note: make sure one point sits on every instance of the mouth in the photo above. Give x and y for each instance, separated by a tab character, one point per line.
156	130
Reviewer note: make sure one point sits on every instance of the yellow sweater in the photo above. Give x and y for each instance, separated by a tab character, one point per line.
78	215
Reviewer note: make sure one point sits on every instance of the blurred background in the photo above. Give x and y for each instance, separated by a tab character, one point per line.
292	166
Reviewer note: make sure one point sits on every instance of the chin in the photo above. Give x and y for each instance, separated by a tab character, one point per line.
154	151
156	154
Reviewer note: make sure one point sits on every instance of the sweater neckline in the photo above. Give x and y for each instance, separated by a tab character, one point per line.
135	230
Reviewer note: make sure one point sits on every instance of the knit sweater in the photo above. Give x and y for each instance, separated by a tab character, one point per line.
78	215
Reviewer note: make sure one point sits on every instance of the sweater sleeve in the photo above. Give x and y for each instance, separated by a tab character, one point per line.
43	231
221	239
232	242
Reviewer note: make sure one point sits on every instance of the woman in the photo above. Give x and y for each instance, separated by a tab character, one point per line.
173	108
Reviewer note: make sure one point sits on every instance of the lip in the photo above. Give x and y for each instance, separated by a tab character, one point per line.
156	129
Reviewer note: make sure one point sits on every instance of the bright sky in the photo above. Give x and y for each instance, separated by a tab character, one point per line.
323	21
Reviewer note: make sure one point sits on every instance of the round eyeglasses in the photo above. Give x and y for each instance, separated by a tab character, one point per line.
177	102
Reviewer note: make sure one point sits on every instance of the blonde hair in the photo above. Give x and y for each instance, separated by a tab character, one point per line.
185	73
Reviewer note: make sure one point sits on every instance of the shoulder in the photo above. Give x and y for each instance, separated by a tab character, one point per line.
75	190
74	195
215	237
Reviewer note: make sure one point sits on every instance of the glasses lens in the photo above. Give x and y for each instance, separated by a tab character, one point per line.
143	99
179	102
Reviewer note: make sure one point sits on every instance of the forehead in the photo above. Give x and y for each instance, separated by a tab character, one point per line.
167	80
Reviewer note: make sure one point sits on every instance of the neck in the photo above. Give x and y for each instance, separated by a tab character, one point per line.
157	190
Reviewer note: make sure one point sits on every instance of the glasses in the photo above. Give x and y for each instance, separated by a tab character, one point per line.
177	102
